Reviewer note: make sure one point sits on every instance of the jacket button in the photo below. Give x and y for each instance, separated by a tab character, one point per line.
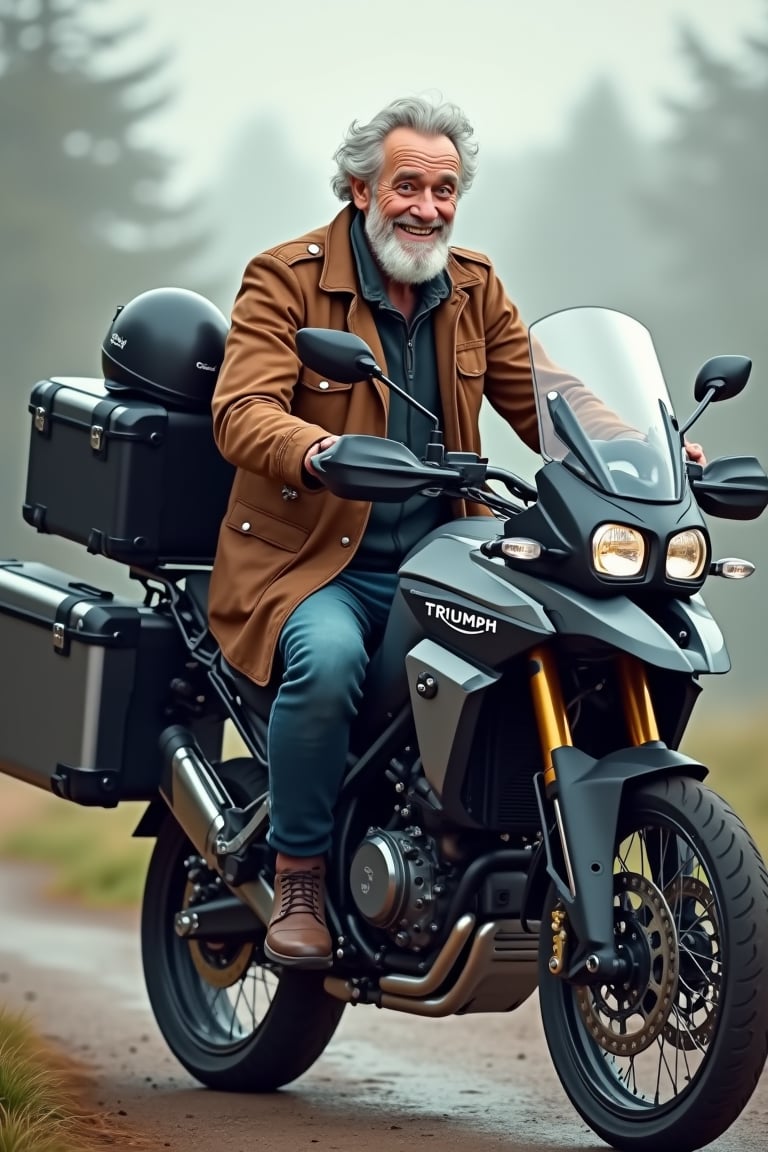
313	249
323	384
246	525
345	541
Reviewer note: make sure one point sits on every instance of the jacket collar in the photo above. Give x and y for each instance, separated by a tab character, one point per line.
340	272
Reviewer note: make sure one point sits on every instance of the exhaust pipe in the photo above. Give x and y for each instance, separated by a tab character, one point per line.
191	791
198	800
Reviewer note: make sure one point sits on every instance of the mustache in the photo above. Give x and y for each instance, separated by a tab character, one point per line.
436	226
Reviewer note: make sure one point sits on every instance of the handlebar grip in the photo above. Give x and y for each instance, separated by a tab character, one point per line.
317	469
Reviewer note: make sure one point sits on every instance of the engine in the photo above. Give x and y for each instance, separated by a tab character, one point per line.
397	885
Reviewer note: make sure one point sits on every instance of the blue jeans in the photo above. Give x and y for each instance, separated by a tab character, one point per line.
325	646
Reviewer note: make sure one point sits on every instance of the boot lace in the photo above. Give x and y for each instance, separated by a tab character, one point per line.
300	892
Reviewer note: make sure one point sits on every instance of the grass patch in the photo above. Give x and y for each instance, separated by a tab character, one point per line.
94	858
42	1097
91	851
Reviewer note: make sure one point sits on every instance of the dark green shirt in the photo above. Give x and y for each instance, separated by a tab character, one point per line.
409	351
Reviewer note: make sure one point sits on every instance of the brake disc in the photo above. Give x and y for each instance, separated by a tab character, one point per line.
626	1018
221	963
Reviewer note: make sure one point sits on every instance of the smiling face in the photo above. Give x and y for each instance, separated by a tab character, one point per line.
409	213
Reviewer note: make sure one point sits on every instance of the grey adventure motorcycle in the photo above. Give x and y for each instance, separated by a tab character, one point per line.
515	815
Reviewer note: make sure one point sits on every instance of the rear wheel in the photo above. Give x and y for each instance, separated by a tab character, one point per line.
669	1058
235	1021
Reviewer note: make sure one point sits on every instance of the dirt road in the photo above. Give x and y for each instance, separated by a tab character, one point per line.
385	1083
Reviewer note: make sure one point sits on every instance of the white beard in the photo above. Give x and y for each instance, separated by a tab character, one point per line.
402	262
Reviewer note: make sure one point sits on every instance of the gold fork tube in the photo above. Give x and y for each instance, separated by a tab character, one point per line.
548	707
636	697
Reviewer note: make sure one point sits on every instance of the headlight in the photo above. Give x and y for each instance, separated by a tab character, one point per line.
618	550
686	555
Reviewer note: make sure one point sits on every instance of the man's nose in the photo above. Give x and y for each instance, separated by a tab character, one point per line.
425	208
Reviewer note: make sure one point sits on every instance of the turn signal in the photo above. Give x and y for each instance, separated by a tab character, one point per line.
731	568
519	548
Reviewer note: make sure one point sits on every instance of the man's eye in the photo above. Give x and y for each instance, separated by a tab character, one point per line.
405	186
446	191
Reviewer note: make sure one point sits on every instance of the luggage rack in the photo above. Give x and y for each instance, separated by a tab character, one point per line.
189	608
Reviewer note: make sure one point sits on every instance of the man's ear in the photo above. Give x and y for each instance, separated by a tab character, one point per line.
361	193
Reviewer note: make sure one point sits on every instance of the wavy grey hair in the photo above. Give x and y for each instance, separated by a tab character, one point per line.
361	153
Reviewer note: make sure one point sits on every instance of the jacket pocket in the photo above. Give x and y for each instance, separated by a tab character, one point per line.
249	521
321	401
315	383
470	358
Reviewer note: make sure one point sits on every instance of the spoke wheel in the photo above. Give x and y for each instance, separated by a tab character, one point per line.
691	1024
670	1056
234	1020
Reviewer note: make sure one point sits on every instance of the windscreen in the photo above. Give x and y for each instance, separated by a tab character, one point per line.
603	405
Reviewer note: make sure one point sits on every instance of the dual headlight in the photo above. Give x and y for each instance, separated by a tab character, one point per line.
619	551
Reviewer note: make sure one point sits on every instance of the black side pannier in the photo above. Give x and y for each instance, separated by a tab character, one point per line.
125	476
87	688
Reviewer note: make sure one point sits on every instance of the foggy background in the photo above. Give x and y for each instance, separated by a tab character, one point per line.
623	162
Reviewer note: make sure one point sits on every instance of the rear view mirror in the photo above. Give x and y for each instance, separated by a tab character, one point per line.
727	375
340	355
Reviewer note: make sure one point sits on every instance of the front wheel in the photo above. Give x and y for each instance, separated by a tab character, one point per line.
235	1021
669	1058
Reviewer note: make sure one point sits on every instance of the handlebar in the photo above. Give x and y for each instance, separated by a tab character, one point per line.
359	467
512	483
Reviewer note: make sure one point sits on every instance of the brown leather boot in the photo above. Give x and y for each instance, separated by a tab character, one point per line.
297	935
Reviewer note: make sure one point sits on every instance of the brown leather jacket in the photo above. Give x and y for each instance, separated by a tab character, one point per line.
281	540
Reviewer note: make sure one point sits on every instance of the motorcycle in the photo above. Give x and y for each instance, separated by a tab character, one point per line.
516	816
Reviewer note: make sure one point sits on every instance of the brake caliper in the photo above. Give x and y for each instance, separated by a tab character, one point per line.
559	940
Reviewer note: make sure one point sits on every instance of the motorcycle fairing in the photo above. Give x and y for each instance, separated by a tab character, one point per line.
445	719
460	623
445	562
477	738
565	516
700	636
447	559
620	623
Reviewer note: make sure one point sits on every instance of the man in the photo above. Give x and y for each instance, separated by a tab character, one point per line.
303	581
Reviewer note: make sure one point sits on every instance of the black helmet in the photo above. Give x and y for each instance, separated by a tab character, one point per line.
166	344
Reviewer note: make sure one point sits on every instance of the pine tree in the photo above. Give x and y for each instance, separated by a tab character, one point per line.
85	222
566	226
710	207
709	210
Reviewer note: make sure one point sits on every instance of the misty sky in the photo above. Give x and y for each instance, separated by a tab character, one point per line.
516	66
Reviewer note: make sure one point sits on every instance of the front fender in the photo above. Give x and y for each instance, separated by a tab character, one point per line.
589	794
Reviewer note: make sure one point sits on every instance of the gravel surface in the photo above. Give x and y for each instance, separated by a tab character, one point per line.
387	1082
